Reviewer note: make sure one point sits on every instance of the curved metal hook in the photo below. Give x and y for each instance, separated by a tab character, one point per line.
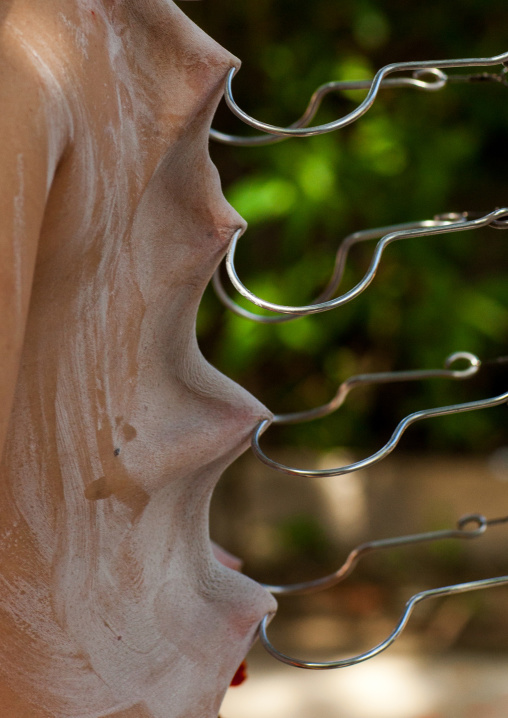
384	378
431	85
338	269
378	455
410	605
498	217
319	584
367	103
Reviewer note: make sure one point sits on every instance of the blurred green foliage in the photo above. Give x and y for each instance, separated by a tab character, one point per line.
414	155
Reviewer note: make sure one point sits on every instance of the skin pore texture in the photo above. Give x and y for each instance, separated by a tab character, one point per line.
114	428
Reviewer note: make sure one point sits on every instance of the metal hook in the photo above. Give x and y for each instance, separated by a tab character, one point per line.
437	80
319	584
367	103
384	451
417	598
440	81
338	269
498	216
347	568
384	378
410	605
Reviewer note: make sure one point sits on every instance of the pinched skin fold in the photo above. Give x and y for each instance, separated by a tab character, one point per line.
111	601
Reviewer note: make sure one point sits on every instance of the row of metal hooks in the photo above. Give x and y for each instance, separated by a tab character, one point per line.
462	531
426	76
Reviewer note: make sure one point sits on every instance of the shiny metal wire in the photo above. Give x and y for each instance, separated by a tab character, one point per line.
410	604
441	80
497	218
338	269
384	451
432	66
437	80
460	532
392	377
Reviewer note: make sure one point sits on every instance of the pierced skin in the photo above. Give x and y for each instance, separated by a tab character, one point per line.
111	600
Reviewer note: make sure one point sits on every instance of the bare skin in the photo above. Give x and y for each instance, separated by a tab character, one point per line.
115	429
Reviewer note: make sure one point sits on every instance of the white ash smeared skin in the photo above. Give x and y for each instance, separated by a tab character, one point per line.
111	601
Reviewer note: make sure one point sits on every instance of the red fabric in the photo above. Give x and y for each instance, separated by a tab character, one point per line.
240	676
